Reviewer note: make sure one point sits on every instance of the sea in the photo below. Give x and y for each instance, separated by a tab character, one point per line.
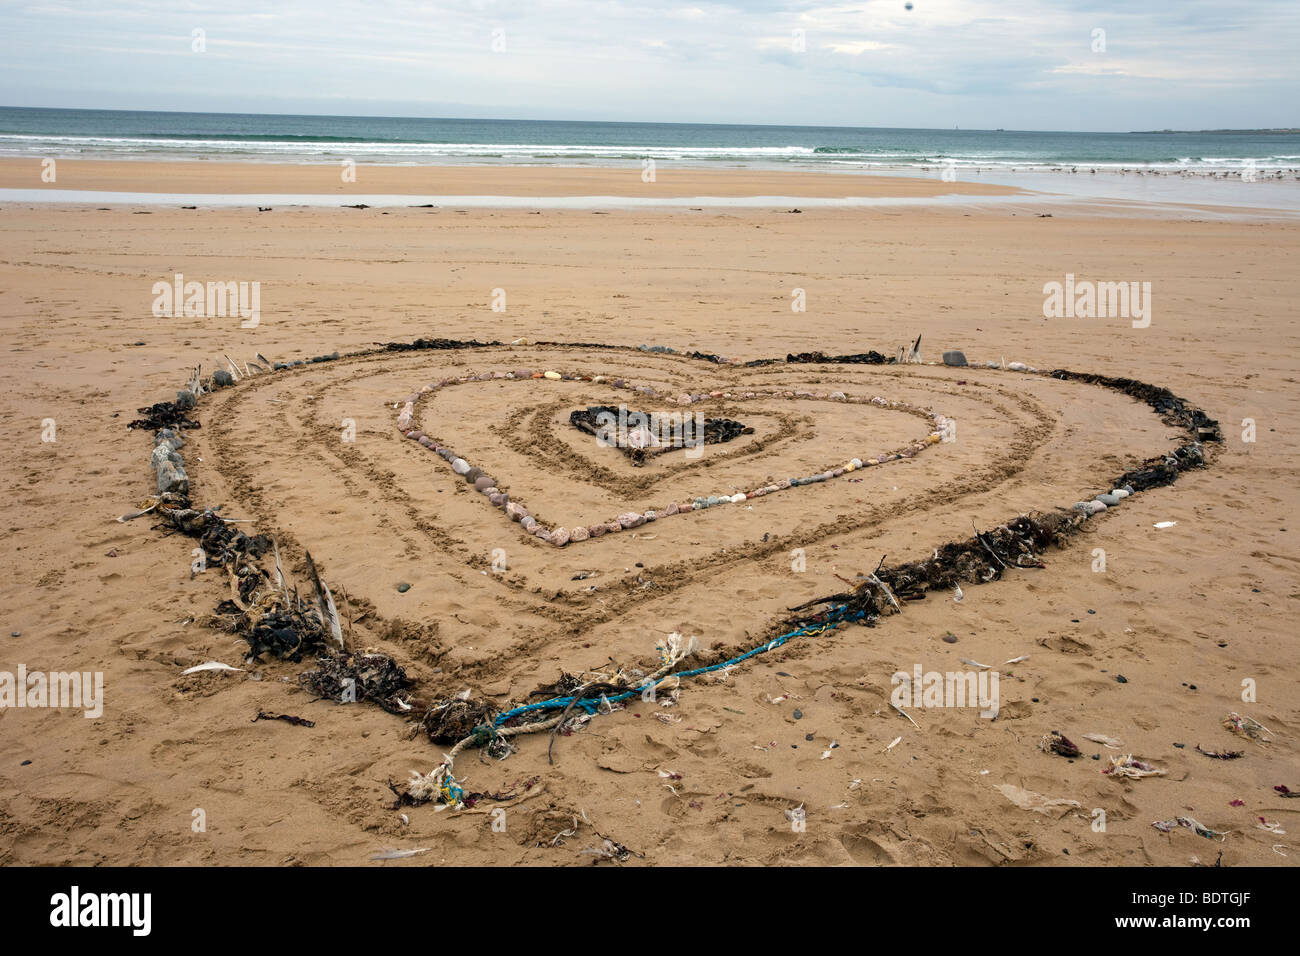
1012	157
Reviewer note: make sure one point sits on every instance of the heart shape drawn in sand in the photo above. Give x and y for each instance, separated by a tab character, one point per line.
691	452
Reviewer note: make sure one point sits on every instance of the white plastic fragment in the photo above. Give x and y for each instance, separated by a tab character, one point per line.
209	666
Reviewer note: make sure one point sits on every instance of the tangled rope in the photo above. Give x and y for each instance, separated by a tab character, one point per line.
440	784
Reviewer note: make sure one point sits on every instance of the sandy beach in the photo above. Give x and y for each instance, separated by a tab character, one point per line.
1184	614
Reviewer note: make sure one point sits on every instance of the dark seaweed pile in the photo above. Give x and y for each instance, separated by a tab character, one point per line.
716	430
859	358
451	721
162	415
1018	543
222	542
373	677
423	344
977	560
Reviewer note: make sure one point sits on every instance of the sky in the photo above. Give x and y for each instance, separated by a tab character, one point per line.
1024	64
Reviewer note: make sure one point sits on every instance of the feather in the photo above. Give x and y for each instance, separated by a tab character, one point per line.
398	854
332	616
279	571
264	360
209	666
234	369
329	615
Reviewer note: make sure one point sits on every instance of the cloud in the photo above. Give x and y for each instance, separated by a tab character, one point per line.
870	62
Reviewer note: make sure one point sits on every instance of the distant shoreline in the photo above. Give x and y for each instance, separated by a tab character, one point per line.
1281	131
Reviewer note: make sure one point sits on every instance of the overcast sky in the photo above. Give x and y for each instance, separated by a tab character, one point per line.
1023	64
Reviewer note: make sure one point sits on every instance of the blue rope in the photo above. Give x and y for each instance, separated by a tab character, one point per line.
834	618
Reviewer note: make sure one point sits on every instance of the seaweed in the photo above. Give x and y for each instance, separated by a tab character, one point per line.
861	358
423	344
162	415
716	430
356	677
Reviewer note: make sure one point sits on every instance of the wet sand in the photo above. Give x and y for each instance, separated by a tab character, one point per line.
668	181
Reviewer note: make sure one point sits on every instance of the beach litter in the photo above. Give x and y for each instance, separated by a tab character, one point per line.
1167	826
1108	742
1221	754
1056	743
1244	726
1131	767
1056	807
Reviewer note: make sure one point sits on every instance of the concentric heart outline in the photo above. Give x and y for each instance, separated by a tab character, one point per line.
1162	470
560	536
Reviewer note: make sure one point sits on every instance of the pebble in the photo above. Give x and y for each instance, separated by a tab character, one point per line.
579	534
473	475
596	530
516	512
528	522
631	519
1119	492
614	527
560	537
838	396
403	588
1018	367
15	633
672	508
1109	501
524	373
459	466
221	378
497	499
553	376
185	400
955	359
483	483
